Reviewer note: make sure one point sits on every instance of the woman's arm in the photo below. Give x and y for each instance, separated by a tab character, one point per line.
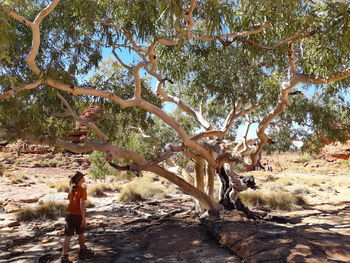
83	212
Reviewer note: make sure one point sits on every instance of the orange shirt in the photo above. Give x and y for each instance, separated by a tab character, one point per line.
74	200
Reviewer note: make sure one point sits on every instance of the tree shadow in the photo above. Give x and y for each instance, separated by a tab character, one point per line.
320	236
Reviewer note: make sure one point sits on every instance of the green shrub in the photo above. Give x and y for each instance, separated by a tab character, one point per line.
99	169
46	211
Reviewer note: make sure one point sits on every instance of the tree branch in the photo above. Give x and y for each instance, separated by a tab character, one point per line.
195	114
206	134
36	36
125	154
26	87
293	67
137	79
119	59
294	38
189	16
20	18
281	106
76	117
233	116
312	79
232	35
152	56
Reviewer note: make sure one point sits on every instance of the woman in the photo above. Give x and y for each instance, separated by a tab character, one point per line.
76	218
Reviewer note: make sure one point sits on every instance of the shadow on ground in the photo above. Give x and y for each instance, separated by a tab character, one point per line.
319	235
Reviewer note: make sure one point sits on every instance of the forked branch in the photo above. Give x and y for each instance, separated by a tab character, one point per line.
76	117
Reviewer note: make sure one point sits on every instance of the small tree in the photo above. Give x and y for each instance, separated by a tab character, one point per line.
227	59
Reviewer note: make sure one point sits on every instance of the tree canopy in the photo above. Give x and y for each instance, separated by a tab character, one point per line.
282	64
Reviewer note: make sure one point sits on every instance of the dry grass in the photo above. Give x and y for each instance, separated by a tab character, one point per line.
89	204
345	163
306	157
284	180
17	178
46	211
140	189
273	200
59	186
98	190
6	155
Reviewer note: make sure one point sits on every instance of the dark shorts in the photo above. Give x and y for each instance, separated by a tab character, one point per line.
73	223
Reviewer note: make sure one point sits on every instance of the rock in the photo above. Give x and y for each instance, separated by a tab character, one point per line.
341	156
336	150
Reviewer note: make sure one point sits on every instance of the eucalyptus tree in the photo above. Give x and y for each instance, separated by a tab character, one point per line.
216	60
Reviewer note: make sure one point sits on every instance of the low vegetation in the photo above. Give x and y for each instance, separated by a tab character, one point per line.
16	178
59	186
98	190
306	157
140	189
273	200
345	163
46	211
89	204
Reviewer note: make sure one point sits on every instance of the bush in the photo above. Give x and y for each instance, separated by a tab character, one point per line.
46	211
273	200
140	189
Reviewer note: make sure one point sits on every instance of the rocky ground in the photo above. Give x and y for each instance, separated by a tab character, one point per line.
167	230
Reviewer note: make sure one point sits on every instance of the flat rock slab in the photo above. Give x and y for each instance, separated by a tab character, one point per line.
323	236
